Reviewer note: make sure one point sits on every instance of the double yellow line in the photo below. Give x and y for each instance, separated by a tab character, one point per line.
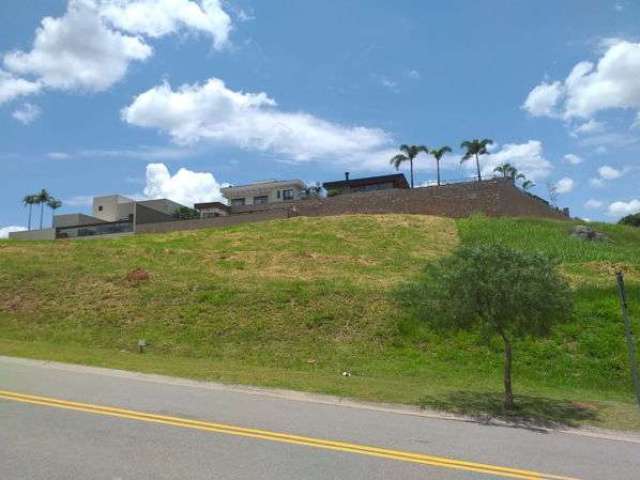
430	460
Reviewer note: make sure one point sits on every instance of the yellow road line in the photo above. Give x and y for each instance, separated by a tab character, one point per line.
431	460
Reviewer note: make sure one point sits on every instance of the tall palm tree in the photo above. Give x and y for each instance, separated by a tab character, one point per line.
29	200
475	148
506	170
53	204
42	198
409	153
438	154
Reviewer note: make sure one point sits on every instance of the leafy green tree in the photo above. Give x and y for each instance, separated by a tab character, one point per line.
30	201
495	291
42	198
186	213
633	220
438	154
475	148
53	204
410	152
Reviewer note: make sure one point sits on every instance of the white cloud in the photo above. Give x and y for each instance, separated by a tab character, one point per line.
564	185
528	158
215	113
12	87
58	155
596	182
543	99
27	113
5	231
573	159
156	18
414	74
186	187
78	51
620	209
593	204
609	173
588	128
590	88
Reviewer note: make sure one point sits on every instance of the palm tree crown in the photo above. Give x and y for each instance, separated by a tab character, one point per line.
42	197
438	153
474	148
409	153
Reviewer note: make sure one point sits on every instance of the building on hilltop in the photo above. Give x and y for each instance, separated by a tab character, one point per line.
366	184
269	191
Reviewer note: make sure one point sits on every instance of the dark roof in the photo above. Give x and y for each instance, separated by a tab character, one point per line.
221	205
397	178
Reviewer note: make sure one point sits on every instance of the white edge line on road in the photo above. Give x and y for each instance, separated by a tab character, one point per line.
307	397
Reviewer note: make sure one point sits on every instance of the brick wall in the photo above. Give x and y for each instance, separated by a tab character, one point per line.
496	197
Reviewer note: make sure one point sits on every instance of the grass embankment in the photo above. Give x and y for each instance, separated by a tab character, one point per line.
293	303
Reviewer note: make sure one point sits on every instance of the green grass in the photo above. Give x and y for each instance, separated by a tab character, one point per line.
293	303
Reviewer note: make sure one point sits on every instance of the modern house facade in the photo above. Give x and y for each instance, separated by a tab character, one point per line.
260	193
112	215
365	184
212	209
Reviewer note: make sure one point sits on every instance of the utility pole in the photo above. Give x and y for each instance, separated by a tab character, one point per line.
631	342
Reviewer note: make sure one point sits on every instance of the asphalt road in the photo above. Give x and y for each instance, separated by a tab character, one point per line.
131	426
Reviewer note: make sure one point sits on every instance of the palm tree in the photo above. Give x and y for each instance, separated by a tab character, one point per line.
409	153
29	200
528	184
506	170
53	204
475	148
42	198
438	154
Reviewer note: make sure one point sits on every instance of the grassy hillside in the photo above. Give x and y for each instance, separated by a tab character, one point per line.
293	303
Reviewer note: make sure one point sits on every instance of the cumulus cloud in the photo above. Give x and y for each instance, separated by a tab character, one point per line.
573	159
543	99
593	204
588	128
589	88
5	231
92	45
527	157
564	185
213	112
27	113
607	172
620	209
186	187
12	87
58	155
156	18
78	51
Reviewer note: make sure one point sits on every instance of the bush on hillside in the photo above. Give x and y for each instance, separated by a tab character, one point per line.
496	291
632	220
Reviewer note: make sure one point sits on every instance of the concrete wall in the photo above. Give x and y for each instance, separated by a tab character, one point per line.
112	208
144	214
46	234
74	219
210	222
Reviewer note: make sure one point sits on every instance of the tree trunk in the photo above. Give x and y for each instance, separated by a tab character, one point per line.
411	163
438	170
41	214
508	392
478	167
30	209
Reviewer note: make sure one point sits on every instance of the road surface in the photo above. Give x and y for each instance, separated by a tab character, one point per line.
69	422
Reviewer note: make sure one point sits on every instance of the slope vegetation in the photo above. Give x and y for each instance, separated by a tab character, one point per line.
294	303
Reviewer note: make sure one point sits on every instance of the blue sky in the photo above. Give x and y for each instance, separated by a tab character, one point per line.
176	97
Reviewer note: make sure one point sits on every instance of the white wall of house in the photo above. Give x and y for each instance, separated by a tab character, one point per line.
265	192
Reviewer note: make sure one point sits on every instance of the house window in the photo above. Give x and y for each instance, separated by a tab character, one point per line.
99	208
287	194
261	200
236	202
